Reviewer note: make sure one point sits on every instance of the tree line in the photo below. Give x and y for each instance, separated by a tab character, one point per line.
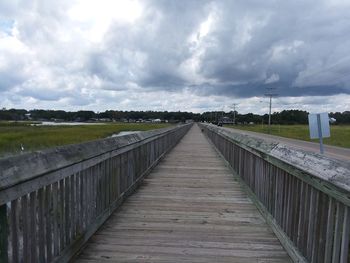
283	117
82	116
288	117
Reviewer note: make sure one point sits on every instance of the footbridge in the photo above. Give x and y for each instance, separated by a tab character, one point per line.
191	193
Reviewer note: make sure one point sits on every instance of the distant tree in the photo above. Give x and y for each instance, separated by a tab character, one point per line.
13	114
341	117
290	117
84	115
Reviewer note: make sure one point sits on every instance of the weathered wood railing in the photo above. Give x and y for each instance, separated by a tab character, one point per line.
52	201
304	197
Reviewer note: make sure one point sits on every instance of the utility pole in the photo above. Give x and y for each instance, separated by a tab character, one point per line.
234	112
270	94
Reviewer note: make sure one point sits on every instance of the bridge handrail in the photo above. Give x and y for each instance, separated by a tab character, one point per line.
305	197
52	201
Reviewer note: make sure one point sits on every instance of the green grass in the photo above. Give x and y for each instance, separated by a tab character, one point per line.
13	134
340	134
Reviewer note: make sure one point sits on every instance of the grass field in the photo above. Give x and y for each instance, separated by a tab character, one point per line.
340	134
15	134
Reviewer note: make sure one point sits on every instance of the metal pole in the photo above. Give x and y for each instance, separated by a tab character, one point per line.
234	113
234	116
270	114
270	95
320	133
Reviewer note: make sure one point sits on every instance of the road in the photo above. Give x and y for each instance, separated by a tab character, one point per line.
333	152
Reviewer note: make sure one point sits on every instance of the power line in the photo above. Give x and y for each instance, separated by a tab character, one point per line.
312	74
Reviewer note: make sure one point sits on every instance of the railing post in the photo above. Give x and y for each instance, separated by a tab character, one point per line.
3	234
295	202
67	203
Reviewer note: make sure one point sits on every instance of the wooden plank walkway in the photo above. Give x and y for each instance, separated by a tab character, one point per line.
189	209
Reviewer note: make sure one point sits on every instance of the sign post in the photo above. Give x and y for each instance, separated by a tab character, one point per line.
319	127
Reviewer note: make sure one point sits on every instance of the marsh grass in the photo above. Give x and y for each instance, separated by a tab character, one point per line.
340	134
14	135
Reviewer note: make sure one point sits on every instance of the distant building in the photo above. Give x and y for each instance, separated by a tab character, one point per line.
226	120
27	115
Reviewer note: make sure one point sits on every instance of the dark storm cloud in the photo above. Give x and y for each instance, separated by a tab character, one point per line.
247	43
251	44
258	90
226	48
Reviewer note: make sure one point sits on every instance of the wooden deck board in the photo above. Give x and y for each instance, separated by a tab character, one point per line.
189	209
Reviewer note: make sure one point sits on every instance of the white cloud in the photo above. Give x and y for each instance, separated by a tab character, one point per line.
272	79
283	50
180	56
95	17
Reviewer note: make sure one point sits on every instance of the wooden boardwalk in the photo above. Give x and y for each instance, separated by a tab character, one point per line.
189	209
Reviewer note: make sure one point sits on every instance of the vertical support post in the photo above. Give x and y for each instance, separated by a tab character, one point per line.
320	133
234	116
234	113
270	114
270	95
3	234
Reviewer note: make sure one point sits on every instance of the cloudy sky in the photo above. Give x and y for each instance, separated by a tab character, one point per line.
192	55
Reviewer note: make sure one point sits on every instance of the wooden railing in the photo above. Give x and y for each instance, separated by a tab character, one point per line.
52	201
305	197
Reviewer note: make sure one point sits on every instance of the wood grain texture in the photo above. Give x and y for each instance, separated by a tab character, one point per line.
189	209
3	234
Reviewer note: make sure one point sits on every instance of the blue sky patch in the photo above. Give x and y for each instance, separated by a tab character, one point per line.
6	26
